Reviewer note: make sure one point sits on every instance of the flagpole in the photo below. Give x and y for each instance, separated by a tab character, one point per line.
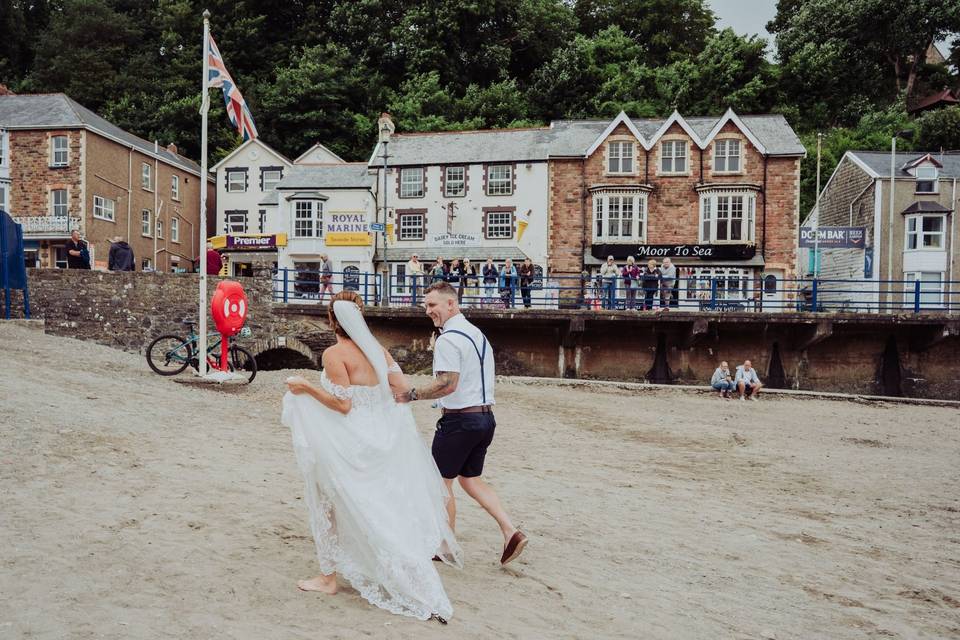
204	108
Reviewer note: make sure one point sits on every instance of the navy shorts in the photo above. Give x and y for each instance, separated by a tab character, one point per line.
460	443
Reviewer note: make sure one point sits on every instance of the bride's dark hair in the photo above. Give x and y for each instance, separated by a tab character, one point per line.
349	296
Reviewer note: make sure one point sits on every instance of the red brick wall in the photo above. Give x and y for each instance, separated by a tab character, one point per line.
673	206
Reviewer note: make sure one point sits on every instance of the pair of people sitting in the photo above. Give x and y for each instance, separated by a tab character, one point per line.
745	380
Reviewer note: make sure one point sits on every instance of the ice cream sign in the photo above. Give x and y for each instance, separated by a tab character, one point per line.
347	229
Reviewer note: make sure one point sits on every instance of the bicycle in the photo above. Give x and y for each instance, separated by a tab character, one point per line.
169	354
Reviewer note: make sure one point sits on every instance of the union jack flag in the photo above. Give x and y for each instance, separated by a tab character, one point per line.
237	109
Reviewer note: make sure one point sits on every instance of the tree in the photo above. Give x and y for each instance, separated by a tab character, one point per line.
939	129
668	30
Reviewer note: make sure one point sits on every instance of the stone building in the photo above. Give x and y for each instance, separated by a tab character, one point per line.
63	167
915	246
718	195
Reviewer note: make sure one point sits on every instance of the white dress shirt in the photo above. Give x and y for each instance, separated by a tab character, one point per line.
453	352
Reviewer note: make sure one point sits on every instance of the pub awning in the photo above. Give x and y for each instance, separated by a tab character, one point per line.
430	254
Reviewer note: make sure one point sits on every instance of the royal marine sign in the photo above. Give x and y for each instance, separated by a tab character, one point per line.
833	237
658	251
347	229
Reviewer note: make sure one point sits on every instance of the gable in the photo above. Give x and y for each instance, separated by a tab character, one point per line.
318	154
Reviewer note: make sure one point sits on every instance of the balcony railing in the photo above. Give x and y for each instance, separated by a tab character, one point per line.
47	225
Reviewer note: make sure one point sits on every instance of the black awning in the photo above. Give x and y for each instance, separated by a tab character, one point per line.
925	206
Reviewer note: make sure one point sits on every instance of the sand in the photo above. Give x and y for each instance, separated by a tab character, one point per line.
134	507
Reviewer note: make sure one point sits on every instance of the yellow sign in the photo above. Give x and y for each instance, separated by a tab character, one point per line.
348	239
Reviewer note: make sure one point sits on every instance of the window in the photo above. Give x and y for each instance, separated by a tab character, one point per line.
104	208
455	182
925	232
146	264
926	179
236	181
145	226
411	226
619	217
235	221
146	176
727	218
60	156
931	288
4	189
411	183
174	229
159	228
58	199
269	178
726	156
733	283
263	218
499	180
3	147
175	187
308	219
673	156
499	225
620	157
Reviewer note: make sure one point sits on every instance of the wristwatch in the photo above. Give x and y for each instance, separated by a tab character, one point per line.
412	394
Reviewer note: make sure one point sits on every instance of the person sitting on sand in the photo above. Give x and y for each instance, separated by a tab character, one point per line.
722	381
747	380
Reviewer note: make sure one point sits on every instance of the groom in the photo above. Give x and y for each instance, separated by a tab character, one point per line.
464	376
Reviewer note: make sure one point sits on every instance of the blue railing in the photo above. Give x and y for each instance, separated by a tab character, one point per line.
734	292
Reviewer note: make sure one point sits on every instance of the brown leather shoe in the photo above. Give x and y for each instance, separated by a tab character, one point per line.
518	541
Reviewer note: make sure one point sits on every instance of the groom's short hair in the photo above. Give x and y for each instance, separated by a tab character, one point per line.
443	288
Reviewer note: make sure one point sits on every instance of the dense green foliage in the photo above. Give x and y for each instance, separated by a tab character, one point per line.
324	71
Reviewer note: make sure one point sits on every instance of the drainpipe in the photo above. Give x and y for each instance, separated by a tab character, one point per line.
953	248
763	246
156	195
155	249
129	191
583	215
893	180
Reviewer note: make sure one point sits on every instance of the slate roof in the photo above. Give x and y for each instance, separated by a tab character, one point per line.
563	138
352	175
59	111
925	206
879	162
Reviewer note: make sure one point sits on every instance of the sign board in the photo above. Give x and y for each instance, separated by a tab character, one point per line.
253	241
378	226
455	240
868	262
833	237
657	251
347	229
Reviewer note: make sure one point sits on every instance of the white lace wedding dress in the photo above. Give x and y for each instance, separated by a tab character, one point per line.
377	502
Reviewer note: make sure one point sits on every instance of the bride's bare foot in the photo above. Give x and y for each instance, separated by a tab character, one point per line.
323	584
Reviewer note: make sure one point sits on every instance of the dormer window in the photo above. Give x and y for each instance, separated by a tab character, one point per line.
926	179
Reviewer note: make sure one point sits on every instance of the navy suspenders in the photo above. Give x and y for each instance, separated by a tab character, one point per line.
480	354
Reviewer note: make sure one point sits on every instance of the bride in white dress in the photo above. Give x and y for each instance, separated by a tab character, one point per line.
377	502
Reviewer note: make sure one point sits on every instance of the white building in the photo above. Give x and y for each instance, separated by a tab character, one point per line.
326	209
249	229
466	194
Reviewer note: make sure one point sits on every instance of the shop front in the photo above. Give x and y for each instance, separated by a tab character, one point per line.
249	254
45	239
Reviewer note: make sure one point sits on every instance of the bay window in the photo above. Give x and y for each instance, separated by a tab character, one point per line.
931	288
619	217
925	232
307	219
727	217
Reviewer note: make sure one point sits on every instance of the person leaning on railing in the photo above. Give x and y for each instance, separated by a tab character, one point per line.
631	281
650	277
415	273
608	274
490	278
526	280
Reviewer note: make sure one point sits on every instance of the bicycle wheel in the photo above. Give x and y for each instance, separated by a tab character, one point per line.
169	355
243	360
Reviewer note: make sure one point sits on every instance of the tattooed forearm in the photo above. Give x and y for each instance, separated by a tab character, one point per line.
444	384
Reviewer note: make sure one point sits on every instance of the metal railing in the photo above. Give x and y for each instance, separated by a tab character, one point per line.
730	293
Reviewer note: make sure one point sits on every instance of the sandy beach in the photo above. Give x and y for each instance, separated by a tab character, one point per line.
134	507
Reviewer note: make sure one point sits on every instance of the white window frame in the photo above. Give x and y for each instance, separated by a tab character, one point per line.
175	187
932	178
174	229
734	284
3	148
307	218
272	183
910	277
675	146
499	185
241	187
55	151
722	155
104	208
5	195
65	205
461	181
499	225
411	232
146	176
711	207
609	228
412	182
913	227
159	228
146	264
236	222
146	223
621	158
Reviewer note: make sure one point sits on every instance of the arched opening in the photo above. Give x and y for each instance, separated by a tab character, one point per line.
283	358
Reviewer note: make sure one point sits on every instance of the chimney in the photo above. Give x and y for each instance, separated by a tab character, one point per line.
385	127
172	148
6	92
